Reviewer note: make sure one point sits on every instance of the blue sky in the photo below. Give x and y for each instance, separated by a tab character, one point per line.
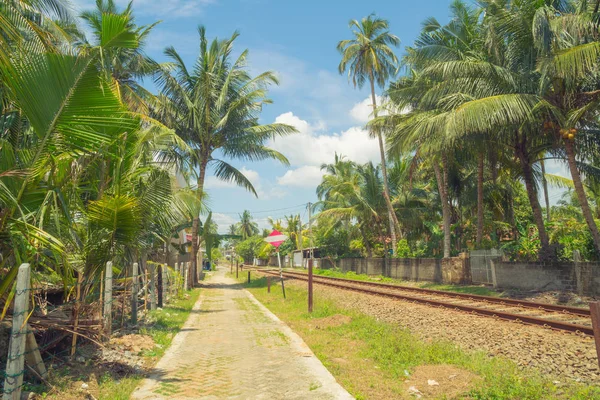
297	40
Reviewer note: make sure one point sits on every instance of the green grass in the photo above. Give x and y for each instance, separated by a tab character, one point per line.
393	350
469	289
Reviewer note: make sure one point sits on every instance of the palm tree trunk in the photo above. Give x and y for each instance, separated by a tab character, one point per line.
393	219
545	184
196	226
583	201
445	206
535	203
366	240
479	198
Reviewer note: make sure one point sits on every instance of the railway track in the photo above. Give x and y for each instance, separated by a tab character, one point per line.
562	318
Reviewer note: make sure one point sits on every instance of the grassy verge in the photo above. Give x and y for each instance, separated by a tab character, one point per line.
470	289
113	383
372	359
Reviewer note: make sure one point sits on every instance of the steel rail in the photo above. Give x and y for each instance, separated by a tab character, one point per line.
489	299
564	326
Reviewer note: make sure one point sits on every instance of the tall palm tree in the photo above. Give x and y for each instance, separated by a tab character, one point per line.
247	227
215	107
368	57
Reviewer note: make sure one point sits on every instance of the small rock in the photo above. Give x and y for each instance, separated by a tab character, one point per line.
413	391
406	373
431	382
85	386
80	359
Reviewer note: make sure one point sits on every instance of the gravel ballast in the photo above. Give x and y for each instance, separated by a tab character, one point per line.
563	356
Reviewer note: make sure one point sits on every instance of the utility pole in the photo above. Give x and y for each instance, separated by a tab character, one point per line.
310	261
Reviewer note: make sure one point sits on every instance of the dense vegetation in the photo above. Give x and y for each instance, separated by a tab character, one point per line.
94	167
485	99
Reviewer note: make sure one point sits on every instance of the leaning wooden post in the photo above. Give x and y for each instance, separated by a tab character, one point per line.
595	312
134	294
151	270
15	364
108	278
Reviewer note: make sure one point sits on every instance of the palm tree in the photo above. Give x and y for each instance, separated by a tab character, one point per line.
247	227
215	106
233	229
369	57
126	64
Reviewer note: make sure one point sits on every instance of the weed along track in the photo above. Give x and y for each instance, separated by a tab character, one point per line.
561	318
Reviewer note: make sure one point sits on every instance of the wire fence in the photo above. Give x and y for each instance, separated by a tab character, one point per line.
80	312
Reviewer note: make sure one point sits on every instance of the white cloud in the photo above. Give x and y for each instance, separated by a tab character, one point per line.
223	221
264	190
308	147
307	176
362	112
320	94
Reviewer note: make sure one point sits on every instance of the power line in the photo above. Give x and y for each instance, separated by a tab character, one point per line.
261	212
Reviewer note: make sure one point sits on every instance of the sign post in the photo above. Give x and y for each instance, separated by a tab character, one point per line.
276	238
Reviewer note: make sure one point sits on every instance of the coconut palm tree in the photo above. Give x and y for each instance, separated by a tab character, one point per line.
247	227
368	57
126	65
214	108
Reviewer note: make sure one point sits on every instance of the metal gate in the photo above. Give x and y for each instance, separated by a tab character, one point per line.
481	266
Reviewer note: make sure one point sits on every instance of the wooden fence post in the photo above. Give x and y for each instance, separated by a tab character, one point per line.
159	285
310	285
595	312
248	276
15	364
134	294
151	269
108	278
177	275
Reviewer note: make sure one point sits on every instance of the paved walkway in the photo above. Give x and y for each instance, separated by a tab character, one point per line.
233	347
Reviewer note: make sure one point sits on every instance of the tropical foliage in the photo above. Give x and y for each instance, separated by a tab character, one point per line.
93	166
484	100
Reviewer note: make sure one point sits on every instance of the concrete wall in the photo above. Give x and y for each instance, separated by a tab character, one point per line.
583	278
451	270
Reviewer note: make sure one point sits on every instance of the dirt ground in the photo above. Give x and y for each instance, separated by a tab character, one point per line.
439	381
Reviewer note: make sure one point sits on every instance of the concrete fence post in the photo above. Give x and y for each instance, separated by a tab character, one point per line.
186	276
108	280
15	364
165	268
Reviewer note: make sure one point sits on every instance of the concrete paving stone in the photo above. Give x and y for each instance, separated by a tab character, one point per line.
232	347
